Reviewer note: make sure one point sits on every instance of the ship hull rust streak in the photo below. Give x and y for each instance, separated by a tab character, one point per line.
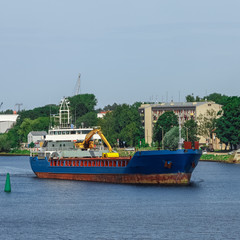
179	178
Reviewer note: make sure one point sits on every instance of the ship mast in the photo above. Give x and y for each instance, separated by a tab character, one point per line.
64	113
180	130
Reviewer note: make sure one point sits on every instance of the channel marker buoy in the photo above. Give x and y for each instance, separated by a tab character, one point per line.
7	184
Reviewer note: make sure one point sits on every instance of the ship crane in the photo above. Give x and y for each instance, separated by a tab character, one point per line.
88	143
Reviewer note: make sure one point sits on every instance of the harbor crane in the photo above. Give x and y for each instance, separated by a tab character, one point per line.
77	86
1	104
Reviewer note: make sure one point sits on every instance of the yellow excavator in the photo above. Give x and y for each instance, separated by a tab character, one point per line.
88	143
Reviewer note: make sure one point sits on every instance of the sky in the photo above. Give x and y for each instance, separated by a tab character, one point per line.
125	50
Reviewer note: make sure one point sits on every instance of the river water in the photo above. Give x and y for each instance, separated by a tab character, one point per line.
58	209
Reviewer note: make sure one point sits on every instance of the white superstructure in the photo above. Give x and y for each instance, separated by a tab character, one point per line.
69	134
66	131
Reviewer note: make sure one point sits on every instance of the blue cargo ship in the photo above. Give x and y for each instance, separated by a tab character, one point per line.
145	167
69	153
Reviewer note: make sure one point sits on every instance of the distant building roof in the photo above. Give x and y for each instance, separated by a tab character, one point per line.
176	104
38	133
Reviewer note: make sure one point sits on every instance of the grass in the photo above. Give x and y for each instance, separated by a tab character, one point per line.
16	152
213	157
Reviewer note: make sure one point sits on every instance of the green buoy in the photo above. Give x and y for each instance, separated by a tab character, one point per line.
7	184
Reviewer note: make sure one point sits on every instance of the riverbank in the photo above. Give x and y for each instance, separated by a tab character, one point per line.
16	152
215	157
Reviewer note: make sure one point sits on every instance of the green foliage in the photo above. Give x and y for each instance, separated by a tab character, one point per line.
191	98
13	137
107	125
191	128
20	152
217	98
164	123
88	120
171	138
28	125
4	143
110	107
82	104
31	145
143	144
207	123
8	111
38	112
228	125
212	157
124	124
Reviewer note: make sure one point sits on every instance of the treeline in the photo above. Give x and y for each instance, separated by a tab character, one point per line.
122	124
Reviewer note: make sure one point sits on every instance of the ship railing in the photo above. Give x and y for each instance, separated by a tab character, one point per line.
58	148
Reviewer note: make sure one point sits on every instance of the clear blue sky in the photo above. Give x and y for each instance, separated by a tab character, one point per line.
126	50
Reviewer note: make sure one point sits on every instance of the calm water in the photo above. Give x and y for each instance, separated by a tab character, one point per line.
58	209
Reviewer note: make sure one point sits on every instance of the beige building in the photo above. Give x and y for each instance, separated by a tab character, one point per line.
150	113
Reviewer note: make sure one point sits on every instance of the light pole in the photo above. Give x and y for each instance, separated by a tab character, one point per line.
187	132
162	138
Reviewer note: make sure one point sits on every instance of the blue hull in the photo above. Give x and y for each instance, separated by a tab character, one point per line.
144	167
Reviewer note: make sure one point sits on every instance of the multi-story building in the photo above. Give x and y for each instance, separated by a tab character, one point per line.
186	110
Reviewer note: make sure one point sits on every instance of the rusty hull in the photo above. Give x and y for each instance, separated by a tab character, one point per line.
168	179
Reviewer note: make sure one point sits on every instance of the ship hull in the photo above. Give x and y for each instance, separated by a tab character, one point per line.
169	179
145	167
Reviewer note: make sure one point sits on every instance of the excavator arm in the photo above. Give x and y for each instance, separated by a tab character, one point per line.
87	143
105	140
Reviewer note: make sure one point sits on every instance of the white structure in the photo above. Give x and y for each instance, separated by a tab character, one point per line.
66	131
73	135
7	121
36	136
102	114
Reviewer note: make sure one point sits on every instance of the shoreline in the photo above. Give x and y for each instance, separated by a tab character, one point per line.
221	161
14	154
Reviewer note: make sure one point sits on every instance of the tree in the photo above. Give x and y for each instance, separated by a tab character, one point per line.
217	98
171	138
124	124
24	129
191	98
88	120
5	145
207	123
82	104
38	112
110	107
228	125
164	123
28	125
191	128
8	111
13	137
40	124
